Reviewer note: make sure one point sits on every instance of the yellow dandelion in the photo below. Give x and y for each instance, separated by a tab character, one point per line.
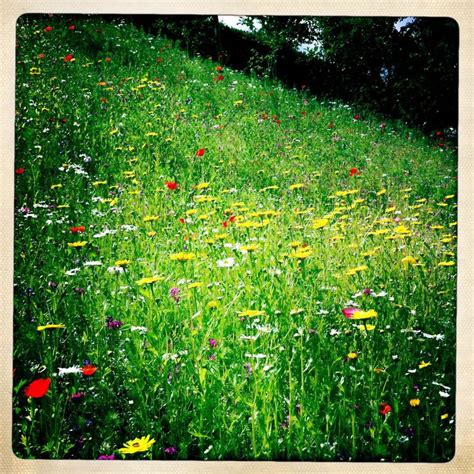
201	186
446	264
183	256
302	253
296	186
137	445
77	244
249	248
149	280
122	263
423	364
251	313
444	416
320	223
213	304
150	218
352	355
50	326
414	402
367	327
364	314
196	284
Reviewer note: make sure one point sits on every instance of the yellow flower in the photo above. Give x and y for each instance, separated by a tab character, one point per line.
150	218
55	186
98	183
364	314
408	260
414	402
249	248
77	244
401	229
148	280
296	186
423	364
151	233
353	271
34	71
252	313
151	134
381	192
368	327
137	445
183	256
295	244
196	284
191	212
319	223
50	326
446	264
444	416
352	355
201	186
213	304
302	253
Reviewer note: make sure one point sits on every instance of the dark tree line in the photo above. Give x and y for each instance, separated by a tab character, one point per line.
409	74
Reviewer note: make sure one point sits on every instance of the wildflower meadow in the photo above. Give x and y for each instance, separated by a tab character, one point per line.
211	266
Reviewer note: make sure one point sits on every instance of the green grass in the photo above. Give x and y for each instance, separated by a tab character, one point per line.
279	385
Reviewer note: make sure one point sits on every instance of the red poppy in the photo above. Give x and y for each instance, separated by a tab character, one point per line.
200	152
331	125
41	56
72	28
63	120
385	409
19	170
68	57
77	229
218	68
232	218
38	388
356	117
88	370
182	220
225	224
171	185
107	60
220	77
48	28
353	171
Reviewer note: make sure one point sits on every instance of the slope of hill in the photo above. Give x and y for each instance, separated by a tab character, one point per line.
230	267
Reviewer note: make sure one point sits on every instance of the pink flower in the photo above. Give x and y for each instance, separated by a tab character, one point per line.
349	312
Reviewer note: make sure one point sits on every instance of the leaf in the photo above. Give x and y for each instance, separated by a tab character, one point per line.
202	375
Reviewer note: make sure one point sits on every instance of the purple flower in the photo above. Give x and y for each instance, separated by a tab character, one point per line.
174	293
113	323
171	450
106	457
367	291
79	291
75	397
212	342
248	366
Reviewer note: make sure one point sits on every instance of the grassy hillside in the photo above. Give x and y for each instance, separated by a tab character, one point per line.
194	235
